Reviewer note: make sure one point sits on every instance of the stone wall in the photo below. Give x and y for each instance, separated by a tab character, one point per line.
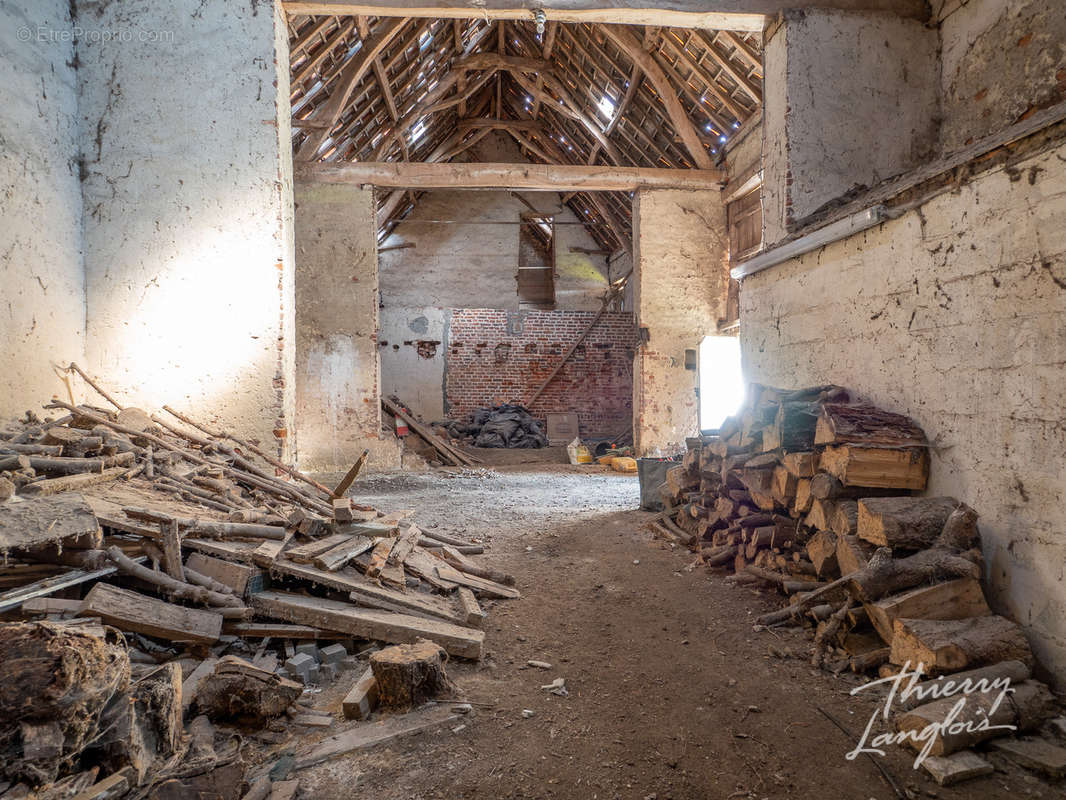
42	312
851	99
1000	60
681	282
496	357
186	192
338	408
953	315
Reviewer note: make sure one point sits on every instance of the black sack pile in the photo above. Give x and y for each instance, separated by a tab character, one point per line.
503	426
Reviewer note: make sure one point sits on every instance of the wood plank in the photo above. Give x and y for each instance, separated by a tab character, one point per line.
130	611
479	585
362	698
235	576
484	175
362	737
425	566
474	616
266	554
276	630
16	597
369	623
192	683
336	557
379	557
47	519
306	553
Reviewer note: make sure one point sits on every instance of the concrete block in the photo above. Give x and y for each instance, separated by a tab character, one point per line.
332	654
310	649
327	673
300	667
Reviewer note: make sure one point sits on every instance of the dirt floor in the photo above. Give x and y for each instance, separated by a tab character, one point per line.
672	694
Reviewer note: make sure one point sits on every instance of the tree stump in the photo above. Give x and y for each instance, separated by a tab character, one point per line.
408	675
239	692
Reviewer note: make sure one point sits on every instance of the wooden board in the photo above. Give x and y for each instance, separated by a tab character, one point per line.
130	611
235	576
425	566
362	698
479	585
336	557
47	519
367	623
472	611
958	599
266	554
276	630
306	553
362	737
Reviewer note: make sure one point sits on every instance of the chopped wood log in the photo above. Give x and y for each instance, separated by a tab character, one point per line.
456	559
872	659
844	520
47	519
853	554
958	599
877	467
680	480
336	557
74	483
783	487
51	672
411	674
237	691
207	528
985	715
172	550
368	623
885	575
793	427
760	519
801	504
54	465
16	462
481	586
803	464
719	556
130	611
31	449
342	509
865	424
820	514
822	551
910	523
757	480
362	699
952	645
981	678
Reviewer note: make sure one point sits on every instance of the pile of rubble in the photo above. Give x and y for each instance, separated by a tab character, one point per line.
161	578
816	495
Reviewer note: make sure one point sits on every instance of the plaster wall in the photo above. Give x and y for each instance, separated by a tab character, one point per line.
952	314
42	300
413	344
338	408
186	192
1001	59
681	282
851	100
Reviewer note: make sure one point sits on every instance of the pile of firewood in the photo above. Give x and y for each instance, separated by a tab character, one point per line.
159	577
816	495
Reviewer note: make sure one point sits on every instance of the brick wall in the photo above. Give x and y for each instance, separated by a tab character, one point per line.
497	357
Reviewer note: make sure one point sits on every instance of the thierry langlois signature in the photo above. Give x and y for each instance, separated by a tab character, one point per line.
905	685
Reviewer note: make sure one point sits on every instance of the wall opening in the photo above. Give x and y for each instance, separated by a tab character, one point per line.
721	380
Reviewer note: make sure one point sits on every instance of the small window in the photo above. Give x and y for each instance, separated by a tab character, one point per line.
536	261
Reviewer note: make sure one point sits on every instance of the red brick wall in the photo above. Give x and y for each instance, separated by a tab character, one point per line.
496	357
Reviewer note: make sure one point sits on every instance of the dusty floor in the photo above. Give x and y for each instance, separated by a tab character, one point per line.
672	693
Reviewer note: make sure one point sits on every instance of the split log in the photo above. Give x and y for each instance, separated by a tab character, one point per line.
820	514
911	523
877	467
237	691
410	675
719	556
844	520
985	715
864	662
974	679
952	645
783	486
958	599
822	551
147	731
853	554
803	464
866	424
793	427
801	504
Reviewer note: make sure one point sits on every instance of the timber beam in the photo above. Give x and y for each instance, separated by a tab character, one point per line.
544	177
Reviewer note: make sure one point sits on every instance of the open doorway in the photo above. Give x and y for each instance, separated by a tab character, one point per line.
721	380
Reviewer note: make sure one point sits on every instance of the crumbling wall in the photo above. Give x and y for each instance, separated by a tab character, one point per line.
338	406
496	357
413	343
185	145
681	282
42	313
851	99
1001	60
952	314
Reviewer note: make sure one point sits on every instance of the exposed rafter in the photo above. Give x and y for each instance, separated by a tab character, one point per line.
382	88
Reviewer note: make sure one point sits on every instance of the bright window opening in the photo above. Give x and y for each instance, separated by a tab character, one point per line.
606	107
418	131
721	380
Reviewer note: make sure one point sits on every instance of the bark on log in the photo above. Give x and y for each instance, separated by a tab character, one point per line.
175	589
952	645
937	688
911	523
844	520
237	691
866	424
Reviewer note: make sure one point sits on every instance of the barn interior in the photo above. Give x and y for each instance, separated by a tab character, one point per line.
532	398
